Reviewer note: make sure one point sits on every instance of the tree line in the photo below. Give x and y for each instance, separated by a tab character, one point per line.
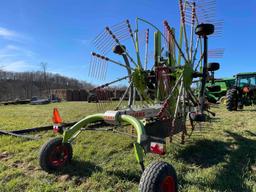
25	85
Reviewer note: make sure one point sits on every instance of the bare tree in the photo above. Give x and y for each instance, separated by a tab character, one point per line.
45	76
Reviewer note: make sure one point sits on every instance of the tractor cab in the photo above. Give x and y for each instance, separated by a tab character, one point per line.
243	93
246	79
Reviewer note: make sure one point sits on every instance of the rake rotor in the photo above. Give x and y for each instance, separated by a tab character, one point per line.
165	75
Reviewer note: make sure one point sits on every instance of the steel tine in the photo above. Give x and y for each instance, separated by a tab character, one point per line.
118	24
104	65
124	36
108	48
96	68
120	30
101	45
102	69
103	38
99	69
93	67
105	47
105	70
99	36
90	67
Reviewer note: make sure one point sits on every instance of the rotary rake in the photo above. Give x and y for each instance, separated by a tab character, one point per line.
159	97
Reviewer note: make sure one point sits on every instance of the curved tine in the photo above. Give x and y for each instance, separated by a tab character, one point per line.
99	36
101	57
118	24
103	69
90	67
93	67
106	47
96	69
122	34
103	44
125	28
100	72
103	66
103	40
99	69
124	37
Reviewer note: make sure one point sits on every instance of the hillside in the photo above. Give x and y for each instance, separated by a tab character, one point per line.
25	85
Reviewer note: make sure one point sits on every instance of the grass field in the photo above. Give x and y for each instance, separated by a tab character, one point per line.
222	157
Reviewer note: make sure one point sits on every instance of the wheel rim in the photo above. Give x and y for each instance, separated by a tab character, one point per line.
58	156
168	184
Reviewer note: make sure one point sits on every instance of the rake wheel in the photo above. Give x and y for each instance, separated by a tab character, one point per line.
159	177
54	154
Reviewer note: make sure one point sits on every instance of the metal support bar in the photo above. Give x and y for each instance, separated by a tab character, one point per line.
203	81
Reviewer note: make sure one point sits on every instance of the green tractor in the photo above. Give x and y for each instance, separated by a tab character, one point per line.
218	95
243	93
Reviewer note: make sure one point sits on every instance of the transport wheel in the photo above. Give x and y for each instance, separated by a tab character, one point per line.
54	154
231	102
159	177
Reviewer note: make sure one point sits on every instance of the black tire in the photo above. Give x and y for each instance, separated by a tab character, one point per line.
213	66
204	29
93	98
232	100
54	154
159	177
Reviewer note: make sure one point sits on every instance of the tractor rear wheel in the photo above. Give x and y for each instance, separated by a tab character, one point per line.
231	102
54	154
159	177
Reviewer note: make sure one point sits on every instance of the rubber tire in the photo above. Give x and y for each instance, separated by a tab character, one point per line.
46	150
93	99
213	66
154	174
232	100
